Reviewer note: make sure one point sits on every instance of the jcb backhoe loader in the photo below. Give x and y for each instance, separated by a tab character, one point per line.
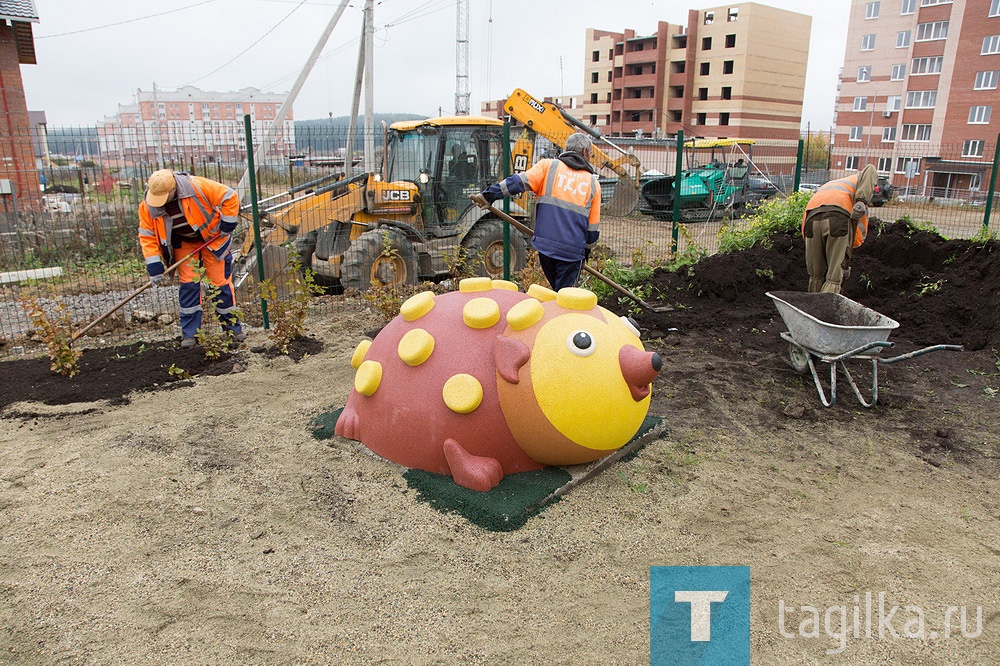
410	221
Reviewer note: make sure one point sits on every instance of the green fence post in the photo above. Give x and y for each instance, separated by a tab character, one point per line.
506	201
798	167
993	184
256	215
677	192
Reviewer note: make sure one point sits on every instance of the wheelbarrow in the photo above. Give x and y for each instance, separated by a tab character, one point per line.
833	329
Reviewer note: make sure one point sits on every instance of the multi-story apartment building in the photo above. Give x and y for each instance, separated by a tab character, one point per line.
19	189
917	91
191	125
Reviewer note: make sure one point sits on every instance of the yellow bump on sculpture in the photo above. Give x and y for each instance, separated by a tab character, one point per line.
481	313
505	284
462	393
574	298
541	293
524	314
417	306
359	353
470	285
415	347
368	377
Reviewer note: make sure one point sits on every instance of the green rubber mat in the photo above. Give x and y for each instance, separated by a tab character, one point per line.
517	497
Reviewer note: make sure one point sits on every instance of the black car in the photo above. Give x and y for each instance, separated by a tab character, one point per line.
883	192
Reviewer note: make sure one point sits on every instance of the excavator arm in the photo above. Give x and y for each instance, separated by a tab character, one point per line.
555	124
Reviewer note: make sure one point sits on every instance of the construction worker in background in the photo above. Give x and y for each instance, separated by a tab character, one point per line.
177	215
834	223
567	210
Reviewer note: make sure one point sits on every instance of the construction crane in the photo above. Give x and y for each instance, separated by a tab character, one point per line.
462	58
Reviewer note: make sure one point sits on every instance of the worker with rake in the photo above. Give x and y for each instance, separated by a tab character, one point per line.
183	215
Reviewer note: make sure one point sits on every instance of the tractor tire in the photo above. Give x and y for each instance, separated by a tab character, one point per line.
484	245
372	260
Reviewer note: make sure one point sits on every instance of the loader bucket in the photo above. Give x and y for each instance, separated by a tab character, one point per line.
624	198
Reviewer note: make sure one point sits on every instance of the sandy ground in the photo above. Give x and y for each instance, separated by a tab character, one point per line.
206	525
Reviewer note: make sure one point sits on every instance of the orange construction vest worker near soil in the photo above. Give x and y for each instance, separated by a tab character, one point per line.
834	223
179	213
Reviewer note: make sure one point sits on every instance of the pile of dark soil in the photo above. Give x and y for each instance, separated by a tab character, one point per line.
109	373
940	291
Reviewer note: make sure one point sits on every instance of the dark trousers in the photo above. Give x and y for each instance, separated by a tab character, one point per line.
560	273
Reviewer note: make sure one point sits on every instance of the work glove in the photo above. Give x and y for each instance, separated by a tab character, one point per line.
586	253
490	196
158	280
859	211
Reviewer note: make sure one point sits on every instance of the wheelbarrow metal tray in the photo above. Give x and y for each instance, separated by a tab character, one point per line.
831	324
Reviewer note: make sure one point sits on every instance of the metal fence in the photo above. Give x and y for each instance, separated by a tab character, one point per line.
68	221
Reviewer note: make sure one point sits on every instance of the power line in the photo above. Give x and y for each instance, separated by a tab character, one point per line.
111	25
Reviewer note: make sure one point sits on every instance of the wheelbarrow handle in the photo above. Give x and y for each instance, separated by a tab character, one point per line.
921	352
141	289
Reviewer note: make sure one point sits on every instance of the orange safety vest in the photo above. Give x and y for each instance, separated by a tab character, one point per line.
206	204
837	195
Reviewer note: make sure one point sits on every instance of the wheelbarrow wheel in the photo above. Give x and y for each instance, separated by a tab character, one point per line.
799	358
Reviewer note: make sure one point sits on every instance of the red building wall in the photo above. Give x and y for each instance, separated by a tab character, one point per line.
17	162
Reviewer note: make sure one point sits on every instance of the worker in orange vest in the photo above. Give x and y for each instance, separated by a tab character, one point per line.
567	209
834	223
177	215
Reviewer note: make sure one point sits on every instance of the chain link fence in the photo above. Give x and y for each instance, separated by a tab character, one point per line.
68	221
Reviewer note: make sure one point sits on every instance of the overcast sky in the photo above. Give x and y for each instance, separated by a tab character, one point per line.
94	54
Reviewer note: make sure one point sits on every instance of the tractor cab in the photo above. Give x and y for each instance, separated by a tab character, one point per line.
447	159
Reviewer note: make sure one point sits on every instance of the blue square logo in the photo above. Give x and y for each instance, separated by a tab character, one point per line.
699	615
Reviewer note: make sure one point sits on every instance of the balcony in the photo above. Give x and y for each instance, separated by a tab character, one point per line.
640	80
638	103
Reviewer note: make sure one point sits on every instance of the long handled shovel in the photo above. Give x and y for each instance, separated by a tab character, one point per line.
138	291
481	202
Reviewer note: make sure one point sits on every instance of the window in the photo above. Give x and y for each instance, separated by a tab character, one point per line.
609	77
851	163
909	7
932	30
730	41
898	72
699	119
884	165
595	77
991	45
678	66
593	98
703	93
723	118
865	73
908	165
706	68
593	120
727	67
926	65
871	10
868	42
678	91
994	8
596	57
856	132
893	102
921	99
727	92
734	14
608	100
706	44
709	20
916	133
611	53
973	148
903	39
986	80
980	115
888	135
860	103
926	3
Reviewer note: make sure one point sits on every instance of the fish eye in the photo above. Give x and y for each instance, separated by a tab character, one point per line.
581	343
631	325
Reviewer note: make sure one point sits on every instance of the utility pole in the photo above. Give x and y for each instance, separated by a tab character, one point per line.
369	85
156	124
462	59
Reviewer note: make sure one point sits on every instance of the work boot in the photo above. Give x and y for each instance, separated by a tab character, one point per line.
238	337
187	343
